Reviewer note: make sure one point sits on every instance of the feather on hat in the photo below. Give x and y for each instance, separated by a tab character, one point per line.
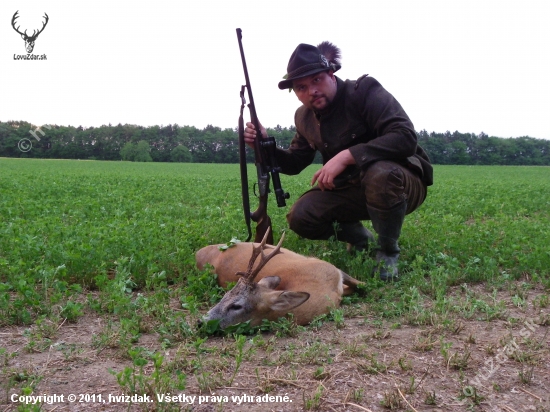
307	60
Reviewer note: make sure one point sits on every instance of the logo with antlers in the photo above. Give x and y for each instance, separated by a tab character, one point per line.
29	40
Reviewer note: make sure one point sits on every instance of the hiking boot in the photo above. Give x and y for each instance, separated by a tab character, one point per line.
355	235
387	224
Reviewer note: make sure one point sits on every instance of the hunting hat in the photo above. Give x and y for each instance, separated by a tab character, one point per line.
307	60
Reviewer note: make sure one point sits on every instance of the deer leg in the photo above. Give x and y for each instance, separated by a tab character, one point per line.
350	284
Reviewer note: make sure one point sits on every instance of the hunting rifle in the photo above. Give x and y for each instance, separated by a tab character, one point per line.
266	165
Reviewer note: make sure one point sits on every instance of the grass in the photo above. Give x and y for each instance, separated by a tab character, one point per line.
119	238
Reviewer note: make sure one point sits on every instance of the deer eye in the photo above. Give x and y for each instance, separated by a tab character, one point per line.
234	306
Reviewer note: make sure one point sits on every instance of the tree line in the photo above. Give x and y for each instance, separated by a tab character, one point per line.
174	143
171	143
471	149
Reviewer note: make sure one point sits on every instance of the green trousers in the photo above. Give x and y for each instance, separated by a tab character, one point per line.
383	186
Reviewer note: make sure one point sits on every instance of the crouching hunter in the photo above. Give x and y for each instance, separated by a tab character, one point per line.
373	168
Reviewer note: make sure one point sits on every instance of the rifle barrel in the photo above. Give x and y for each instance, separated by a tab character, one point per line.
266	165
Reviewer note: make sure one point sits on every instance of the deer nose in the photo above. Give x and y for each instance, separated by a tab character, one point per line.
199	323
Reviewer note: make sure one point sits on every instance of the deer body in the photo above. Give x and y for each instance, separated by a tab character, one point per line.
290	283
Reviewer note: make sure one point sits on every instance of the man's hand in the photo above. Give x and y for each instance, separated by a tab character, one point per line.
325	176
250	134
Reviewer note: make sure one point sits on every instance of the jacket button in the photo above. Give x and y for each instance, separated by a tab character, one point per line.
363	158
353	136
326	145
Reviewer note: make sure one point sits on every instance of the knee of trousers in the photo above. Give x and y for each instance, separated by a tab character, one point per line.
384	185
305	225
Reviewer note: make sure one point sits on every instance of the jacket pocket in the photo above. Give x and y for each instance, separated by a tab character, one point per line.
352	136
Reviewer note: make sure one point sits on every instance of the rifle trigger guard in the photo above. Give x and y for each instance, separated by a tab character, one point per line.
254	189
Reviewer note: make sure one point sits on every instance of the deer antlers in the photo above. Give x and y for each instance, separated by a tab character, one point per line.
34	34
15	16
251	273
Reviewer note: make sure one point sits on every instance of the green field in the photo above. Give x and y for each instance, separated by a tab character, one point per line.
118	239
74	221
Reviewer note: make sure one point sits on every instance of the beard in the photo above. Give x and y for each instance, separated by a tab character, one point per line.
320	103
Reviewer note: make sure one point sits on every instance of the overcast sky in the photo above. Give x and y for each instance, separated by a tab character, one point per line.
470	66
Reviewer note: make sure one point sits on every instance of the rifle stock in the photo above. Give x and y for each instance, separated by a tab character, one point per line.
265	162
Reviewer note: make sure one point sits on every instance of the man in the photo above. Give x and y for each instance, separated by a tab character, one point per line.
373	168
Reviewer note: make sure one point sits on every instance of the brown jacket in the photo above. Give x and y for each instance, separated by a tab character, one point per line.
364	118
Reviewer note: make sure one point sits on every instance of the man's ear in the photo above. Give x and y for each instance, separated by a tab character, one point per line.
270	282
288	300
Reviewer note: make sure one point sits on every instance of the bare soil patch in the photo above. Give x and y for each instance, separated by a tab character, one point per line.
366	364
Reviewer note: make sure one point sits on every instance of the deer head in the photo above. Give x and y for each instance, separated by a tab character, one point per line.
255	301
29	40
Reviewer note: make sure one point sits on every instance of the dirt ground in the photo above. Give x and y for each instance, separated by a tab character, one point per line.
363	365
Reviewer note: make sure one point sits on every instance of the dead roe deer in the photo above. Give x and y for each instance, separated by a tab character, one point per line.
304	286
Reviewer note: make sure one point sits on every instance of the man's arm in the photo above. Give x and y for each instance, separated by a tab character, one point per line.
395	135
293	160
326	175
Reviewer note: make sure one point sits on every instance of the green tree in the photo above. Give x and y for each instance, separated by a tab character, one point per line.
459	155
128	152
181	154
142	152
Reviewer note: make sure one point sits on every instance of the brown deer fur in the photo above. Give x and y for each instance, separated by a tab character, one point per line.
323	282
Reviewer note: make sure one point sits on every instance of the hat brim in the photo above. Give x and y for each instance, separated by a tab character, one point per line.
287	83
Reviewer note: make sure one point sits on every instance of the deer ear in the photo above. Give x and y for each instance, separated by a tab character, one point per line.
270	282
289	300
